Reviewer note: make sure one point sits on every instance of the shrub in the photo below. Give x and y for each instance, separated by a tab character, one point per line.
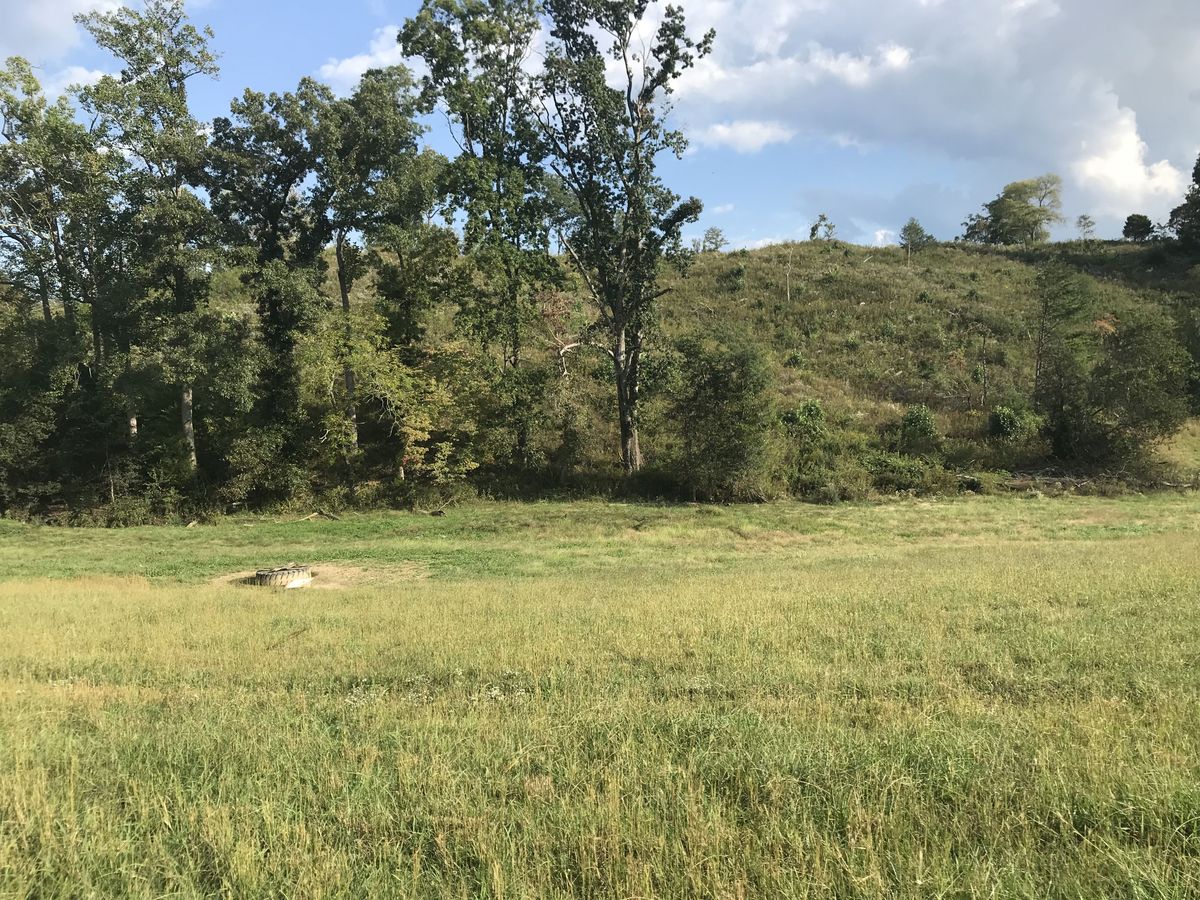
723	404
807	421
918	431
1013	426
733	279
893	473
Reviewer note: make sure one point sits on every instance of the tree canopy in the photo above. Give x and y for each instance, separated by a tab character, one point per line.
1022	214
302	302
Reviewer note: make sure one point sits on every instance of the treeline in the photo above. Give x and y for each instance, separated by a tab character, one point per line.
301	300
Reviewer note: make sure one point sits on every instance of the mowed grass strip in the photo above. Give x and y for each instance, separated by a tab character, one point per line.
992	699
544	539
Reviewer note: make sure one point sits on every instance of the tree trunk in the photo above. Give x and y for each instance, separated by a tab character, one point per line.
97	342
1039	350
189	428
347	371
64	275
44	293
521	414
625	371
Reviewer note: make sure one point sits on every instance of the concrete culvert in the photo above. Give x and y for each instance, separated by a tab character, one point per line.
289	577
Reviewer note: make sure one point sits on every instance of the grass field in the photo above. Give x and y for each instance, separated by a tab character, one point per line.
986	697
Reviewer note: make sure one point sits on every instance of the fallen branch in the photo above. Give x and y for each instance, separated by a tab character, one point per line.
283	640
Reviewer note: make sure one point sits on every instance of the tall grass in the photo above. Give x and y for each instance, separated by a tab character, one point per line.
989	698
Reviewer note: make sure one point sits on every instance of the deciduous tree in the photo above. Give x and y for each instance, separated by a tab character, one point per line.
603	139
1022	214
144	114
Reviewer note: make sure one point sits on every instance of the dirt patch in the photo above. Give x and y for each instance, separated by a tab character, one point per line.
333	577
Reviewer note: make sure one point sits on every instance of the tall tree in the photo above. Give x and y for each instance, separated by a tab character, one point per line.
822	229
1139	387
1185	218
1063	354
145	115
603	141
48	161
262	156
364	156
476	53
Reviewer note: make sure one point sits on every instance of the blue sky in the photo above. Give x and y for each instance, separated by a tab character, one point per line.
869	110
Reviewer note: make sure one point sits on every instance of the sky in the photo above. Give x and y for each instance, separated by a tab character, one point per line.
870	111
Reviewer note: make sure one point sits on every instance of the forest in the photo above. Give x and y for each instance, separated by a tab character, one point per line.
302	304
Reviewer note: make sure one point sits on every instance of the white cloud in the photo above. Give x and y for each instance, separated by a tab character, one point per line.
723	210
344	74
1114	168
976	93
44	30
884	237
57	84
745	136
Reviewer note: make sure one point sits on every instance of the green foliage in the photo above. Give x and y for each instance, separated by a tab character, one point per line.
896	473
304	304
714	241
1012	425
822	229
1022	214
733	279
1138	228
1185	218
806	422
725	414
1109	385
1138	390
914	238
603	142
918	431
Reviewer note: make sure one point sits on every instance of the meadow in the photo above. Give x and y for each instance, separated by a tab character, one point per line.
977	697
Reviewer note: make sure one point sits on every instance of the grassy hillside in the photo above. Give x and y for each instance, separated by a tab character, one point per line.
987	697
867	331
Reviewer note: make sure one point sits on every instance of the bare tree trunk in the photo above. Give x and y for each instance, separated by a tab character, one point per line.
347	372
788	278
130	400
514	363
64	275
1039	351
983	399
625	375
189	428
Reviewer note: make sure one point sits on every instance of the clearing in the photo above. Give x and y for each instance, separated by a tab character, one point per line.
977	697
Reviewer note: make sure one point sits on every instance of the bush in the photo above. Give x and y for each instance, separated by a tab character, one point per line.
895	474
918	431
806	422
723	406
733	279
1013	426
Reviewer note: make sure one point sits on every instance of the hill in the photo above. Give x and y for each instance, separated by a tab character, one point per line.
869	333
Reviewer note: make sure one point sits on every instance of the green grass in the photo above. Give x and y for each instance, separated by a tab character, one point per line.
972	698
868	332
